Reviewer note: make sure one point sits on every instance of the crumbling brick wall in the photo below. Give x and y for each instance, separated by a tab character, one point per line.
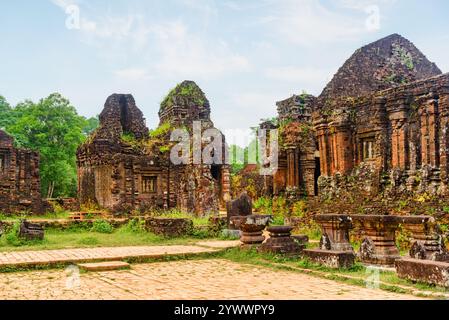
19	178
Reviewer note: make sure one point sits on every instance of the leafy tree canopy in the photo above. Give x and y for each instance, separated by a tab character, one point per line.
52	127
5	113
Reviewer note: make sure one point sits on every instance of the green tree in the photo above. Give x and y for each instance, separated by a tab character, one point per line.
52	127
5	113
91	125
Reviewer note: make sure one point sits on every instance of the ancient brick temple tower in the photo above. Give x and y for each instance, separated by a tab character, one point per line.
380	129
124	167
19	178
298	163
382	124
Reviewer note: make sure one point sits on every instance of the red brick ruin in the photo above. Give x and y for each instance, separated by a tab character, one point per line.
378	130
136	173
19	178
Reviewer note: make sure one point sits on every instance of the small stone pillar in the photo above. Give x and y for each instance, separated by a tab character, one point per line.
252	227
281	242
379	244
335	232
427	239
335	249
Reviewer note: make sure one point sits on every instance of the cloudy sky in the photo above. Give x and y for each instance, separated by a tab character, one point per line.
245	54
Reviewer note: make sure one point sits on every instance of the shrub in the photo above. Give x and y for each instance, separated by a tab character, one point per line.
79	226
299	209
278	220
263	204
279	207
12	236
102	226
134	226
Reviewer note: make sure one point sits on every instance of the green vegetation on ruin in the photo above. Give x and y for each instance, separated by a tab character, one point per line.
404	57
186	89
161	131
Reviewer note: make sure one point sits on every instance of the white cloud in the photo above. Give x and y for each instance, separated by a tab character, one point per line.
264	103
309	22
362	4
310	79
64	4
133	74
298	74
185	54
169	47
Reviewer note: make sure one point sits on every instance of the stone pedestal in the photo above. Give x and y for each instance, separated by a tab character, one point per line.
252	227
281	242
379	244
235	222
335	232
428	241
335	250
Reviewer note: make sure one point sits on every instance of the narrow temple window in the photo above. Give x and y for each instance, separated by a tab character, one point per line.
149	184
215	172
124	114
2	163
368	149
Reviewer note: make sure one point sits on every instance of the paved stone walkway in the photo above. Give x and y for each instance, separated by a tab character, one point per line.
191	279
44	257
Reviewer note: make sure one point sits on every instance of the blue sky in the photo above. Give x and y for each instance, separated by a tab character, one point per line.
245	55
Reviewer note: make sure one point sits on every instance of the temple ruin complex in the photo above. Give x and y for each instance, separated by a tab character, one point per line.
123	166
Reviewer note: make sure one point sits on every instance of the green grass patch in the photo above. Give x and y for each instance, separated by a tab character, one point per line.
79	237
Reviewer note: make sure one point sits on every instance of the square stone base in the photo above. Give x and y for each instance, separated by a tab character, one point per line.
331	259
427	271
